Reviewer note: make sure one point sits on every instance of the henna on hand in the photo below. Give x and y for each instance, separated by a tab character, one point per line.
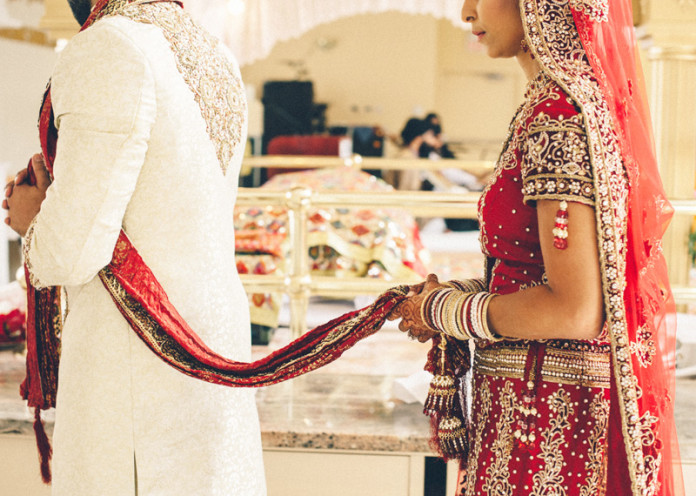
410	310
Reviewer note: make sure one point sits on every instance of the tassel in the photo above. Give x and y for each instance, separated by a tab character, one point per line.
440	395
560	230
448	430
451	434
44	446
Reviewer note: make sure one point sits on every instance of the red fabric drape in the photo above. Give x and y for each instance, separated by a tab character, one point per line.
588	47
613	53
646	314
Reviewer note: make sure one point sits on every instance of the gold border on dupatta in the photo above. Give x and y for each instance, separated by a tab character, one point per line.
565	61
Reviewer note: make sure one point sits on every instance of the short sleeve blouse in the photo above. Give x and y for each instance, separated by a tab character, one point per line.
546	157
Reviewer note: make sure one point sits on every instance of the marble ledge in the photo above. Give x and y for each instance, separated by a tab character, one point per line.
330	410
346	442
346	405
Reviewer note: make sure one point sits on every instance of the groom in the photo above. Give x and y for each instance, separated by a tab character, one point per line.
143	133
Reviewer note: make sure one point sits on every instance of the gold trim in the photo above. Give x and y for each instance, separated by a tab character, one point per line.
566	62
550	480
597	452
27	243
481	415
594	9
565	362
157	339
498	471
216	86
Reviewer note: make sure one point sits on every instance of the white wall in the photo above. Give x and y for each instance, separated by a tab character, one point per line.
386	67
383	69
24	72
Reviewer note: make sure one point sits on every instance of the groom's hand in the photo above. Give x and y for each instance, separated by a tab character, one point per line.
22	200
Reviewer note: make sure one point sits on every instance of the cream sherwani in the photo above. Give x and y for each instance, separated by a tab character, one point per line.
135	150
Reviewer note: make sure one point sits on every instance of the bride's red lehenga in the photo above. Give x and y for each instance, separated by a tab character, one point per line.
575	417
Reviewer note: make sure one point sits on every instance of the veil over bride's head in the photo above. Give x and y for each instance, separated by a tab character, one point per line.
589	48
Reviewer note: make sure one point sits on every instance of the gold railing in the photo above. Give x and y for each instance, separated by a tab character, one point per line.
478	168
300	284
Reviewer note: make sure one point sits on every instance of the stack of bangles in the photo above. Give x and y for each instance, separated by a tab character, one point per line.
459	310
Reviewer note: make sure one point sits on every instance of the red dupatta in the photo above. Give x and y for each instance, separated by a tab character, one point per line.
588	47
143	302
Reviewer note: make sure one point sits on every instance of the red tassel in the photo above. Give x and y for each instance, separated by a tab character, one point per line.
560	229
44	445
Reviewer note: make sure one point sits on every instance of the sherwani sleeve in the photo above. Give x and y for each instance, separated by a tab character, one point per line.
104	104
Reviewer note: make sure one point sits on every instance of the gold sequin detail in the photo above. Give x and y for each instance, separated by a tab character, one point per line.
564	59
215	85
565	362
549	479
595	9
482	410
27	243
556	162
498	481
597	453
644	348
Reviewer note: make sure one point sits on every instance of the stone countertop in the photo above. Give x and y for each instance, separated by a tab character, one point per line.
346	405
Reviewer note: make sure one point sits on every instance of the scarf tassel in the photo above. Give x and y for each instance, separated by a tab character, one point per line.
44	446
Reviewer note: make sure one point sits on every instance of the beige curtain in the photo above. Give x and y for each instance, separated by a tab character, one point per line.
252	27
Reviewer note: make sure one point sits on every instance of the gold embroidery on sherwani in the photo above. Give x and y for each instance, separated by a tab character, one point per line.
481	414
597	449
498	482
27	243
564	59
215	85
112	7
549	479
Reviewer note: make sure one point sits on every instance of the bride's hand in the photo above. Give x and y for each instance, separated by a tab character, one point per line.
409	310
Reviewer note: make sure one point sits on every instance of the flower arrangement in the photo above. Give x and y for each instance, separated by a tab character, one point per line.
12	316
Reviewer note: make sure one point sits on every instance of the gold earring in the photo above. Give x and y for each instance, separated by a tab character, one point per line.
525	48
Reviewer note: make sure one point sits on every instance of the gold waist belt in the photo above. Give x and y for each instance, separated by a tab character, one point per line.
565	362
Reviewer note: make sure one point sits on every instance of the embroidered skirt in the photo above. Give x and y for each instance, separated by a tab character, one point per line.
539	419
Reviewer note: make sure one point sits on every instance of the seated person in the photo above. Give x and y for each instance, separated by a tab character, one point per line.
415	134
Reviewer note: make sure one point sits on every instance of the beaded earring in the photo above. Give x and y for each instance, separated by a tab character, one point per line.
560	230
525	48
